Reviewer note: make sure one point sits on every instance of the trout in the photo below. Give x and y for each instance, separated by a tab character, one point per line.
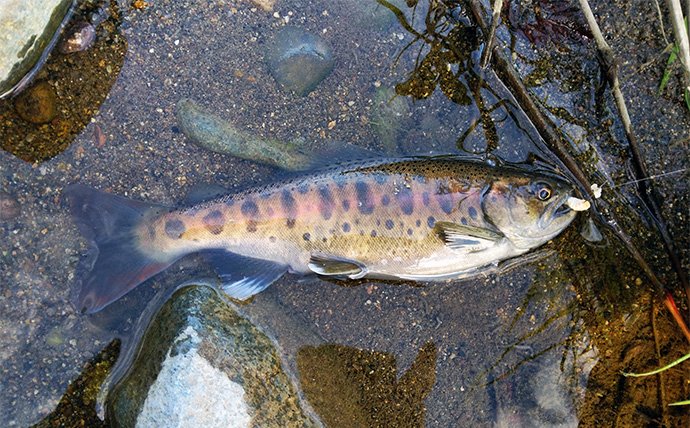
411	219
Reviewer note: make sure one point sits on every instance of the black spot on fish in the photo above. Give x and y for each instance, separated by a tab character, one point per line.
272	239
463	221
346	205
346	227
389	224
265	195
290	223
445	201
251	226
373	233
385	200
409	231
366	205
229	202
214	222
418	223
378	222
406	201
324	239
472	212
431	221
340	182
425	199
249	209
306	237
174	228
326	204
303	188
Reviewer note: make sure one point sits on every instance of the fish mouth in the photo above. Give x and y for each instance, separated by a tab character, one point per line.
561	209
556	210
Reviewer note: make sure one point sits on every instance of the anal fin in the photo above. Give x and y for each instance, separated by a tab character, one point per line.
243	277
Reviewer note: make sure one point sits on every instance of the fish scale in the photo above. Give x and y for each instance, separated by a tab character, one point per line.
418	218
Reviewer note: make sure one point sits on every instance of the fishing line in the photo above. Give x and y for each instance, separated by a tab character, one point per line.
578	204
596	189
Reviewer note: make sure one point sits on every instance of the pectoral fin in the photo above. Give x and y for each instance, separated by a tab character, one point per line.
243	277
333	266
467	238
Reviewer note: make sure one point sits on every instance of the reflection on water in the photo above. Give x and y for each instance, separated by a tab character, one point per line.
514	349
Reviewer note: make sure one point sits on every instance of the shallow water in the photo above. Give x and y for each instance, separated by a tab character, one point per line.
512	349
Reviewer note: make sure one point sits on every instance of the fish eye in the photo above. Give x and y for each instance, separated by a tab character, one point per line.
543	192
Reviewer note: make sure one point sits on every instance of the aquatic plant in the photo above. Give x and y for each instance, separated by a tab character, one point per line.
675	52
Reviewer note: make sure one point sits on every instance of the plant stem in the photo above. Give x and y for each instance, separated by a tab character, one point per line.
680	32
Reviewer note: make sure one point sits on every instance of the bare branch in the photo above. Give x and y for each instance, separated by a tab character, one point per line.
495	20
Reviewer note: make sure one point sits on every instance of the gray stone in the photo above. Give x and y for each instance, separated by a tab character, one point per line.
298	59
201	364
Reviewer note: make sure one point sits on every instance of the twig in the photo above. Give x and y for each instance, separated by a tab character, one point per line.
488	46
661	22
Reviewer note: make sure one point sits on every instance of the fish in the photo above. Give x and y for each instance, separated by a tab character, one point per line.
417	219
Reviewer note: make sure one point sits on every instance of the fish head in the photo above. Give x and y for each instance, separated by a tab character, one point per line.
529	209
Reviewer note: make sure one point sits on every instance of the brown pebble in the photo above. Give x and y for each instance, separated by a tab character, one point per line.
38	104
9	206
77	38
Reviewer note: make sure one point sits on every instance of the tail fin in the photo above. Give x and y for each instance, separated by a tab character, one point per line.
114	264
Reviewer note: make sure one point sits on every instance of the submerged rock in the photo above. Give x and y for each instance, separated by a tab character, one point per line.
298	59
213	133
389	115
77	38
38	104
209	131
201	364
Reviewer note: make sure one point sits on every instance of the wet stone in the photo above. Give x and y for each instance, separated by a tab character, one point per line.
201	364
213	133
77	38
38	104
299	60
